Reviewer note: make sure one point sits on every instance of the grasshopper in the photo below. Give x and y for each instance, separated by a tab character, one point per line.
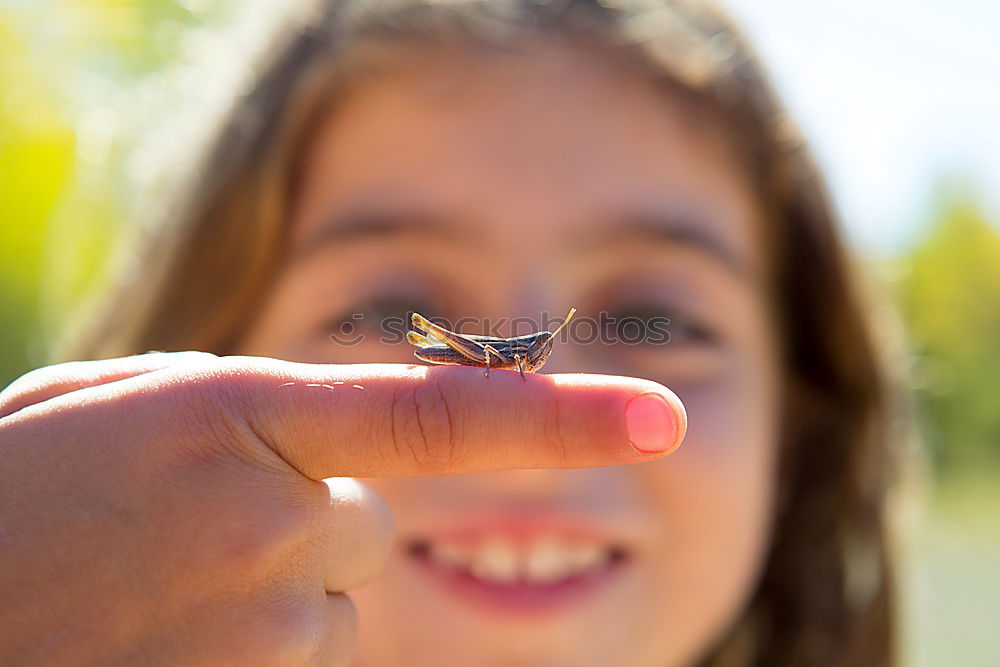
441	346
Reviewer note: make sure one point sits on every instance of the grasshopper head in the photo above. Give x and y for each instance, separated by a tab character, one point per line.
541	346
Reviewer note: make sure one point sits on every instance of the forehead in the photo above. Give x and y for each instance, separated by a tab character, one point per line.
545	142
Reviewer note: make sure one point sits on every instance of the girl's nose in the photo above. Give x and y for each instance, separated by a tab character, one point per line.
597	488
526	485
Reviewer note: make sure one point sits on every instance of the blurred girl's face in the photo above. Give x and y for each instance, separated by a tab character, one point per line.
477	185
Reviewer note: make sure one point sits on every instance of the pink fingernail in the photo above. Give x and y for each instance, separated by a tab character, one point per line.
651	424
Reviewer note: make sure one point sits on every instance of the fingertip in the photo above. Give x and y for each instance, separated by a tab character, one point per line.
655	417
679	414
652	423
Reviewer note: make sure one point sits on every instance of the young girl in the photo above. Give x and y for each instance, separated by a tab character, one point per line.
468	159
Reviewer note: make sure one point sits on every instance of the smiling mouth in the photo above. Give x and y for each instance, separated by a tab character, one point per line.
499	561
541	573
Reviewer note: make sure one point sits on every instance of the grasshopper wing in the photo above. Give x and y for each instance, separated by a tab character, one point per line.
420	341
461	344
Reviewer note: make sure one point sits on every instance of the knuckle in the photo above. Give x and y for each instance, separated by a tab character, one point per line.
381	519
424	427
287	631
360	534
341	631
356	505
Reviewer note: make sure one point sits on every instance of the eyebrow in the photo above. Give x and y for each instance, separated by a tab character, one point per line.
366	225
670	229
360	226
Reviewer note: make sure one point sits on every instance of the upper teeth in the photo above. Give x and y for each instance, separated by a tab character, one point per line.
499	559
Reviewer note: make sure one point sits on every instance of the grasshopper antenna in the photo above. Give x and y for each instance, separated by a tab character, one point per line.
572	311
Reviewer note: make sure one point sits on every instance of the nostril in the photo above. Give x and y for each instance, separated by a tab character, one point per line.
419	548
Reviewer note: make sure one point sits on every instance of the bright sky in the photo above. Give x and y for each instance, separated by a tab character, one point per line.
892	94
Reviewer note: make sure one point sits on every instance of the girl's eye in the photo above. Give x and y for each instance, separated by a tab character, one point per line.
653	324
384	312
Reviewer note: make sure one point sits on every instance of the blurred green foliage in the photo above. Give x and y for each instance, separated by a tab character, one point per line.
949	294
36	154
69	70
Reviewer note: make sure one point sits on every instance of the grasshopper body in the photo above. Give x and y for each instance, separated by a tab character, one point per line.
438	345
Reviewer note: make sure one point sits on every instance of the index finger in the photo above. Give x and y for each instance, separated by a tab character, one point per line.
375	420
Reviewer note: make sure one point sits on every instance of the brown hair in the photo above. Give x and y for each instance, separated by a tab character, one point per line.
826	594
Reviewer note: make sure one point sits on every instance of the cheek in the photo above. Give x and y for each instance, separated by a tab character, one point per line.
715	495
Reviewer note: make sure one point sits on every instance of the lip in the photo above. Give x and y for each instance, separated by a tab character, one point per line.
520	598
525	524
